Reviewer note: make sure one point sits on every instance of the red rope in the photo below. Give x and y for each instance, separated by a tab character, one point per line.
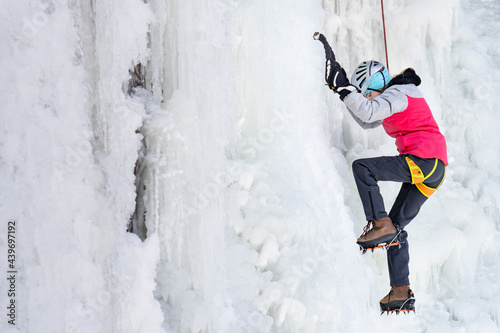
385	38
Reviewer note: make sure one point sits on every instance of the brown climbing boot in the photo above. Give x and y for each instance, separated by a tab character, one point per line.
383	231
400	298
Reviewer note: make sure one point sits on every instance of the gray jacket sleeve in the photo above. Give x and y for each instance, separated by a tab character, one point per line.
370	114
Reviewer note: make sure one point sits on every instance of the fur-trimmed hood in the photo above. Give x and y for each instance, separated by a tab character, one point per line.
408	76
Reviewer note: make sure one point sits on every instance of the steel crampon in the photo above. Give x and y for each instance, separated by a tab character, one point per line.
406	307
386	245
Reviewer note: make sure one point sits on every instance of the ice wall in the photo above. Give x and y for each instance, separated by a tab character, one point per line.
243	227
69	146
276	189
243	166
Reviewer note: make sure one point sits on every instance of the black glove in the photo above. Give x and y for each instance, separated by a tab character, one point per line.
338	82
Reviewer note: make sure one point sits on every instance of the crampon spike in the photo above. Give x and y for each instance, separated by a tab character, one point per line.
397	311
373	248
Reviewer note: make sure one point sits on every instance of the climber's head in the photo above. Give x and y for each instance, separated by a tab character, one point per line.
370	76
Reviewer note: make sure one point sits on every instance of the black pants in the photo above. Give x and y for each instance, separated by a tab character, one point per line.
367	173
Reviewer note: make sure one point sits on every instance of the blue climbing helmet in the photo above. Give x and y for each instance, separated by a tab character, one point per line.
370	75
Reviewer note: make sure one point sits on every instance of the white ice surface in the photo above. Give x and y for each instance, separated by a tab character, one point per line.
251	209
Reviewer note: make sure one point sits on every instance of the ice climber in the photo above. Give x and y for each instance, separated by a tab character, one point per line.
374	99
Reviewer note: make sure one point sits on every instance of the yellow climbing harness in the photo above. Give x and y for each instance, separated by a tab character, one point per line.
418	177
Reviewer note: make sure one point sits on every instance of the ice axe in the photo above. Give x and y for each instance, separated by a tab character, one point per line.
330	56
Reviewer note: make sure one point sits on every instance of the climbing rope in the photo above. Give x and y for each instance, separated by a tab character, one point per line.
385	38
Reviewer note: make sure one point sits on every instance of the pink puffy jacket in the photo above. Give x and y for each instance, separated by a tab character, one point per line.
405	116
416	132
